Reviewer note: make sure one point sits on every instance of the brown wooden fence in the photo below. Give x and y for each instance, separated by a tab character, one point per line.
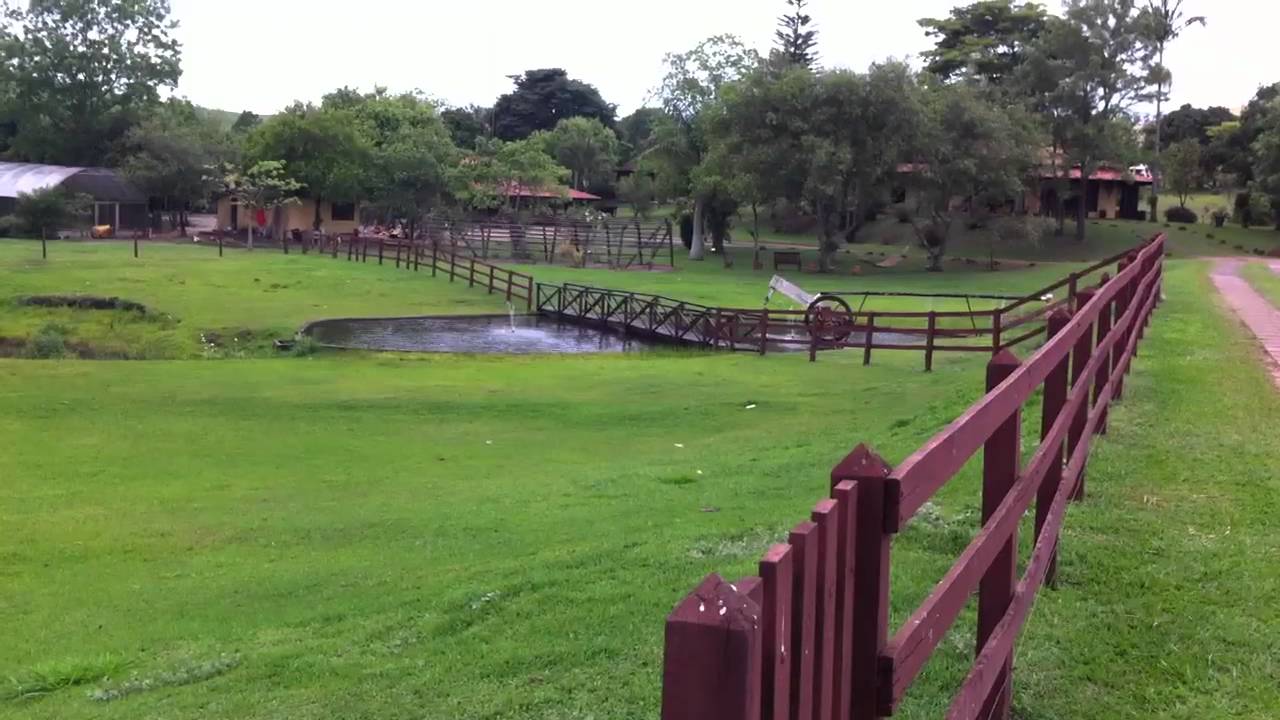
609	243
1017	321
809	638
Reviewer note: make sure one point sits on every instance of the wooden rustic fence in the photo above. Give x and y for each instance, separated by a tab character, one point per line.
809	638
1018	320
610	243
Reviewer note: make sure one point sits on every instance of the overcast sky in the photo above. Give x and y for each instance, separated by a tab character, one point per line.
261	55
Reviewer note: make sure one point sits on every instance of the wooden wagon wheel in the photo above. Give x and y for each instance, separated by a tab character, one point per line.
829	317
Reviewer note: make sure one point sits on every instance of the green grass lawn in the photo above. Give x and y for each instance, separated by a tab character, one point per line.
448	536
1103	238
1263	279
245	297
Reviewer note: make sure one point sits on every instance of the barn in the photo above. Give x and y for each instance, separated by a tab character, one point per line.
116	202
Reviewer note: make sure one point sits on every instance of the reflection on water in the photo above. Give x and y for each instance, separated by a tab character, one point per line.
520	334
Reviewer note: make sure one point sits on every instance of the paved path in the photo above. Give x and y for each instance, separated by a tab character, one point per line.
1253	309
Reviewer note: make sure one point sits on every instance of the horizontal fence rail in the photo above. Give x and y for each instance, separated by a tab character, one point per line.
1019	320
614	243
808	638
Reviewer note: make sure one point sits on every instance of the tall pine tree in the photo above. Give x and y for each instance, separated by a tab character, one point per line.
795	39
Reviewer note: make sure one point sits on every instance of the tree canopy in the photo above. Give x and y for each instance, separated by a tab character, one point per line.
81	73
544	97
795	39
986	40
588	149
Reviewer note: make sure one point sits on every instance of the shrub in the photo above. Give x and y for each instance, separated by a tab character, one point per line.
49	342
304	346
903	214
1180	214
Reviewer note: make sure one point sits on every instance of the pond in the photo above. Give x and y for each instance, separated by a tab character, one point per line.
518	334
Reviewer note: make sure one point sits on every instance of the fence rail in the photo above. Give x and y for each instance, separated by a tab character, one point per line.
809	637
611	243
1019	320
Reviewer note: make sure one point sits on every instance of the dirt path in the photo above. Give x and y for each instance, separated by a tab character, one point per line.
1257	313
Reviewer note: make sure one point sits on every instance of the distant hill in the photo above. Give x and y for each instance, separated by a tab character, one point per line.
224	118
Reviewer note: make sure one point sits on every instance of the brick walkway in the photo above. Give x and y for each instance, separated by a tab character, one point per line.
1255	311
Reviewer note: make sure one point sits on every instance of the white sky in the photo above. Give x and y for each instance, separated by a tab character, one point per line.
261	55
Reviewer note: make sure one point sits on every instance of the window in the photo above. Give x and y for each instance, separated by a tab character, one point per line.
343	211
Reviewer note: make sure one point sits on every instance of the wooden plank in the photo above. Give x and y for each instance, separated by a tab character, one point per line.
871	580
825	516
845	495
1000	460
804	546
777	574
1055	397
712	661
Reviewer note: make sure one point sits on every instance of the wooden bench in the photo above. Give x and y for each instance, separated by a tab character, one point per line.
787	257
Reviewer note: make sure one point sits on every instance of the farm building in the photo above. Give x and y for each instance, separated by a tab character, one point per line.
335	217
115	201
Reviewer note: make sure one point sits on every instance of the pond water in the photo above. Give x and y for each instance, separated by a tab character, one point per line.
518	334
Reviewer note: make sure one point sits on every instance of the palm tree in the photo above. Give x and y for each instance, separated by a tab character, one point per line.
1162	22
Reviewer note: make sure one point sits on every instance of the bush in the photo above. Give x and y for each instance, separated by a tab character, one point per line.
1180	214
10	226
49	342
903	214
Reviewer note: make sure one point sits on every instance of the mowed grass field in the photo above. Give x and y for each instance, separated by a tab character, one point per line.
393	536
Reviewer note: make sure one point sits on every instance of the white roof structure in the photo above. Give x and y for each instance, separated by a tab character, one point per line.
16	178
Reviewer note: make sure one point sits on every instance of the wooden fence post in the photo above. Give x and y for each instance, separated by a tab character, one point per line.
777	575
871	545
928	341
381	242
1055	396
764	330
1000	461
996	329
435	256
825	516
219	234
1080	356
711	667
490	279
1104	370
804	549
44	246
869	339
135	245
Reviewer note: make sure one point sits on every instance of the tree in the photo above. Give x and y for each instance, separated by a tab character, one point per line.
1183	169
264	186
543	98
794	39
326	150
987	40
637	190
1159	23
636	131
1237	145
467	124
175	155
861	127
691	83
412	170
1266	152
47	210
1187	123
245	122
1082	75
483	178
587	148
82	72
757	133
967	149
